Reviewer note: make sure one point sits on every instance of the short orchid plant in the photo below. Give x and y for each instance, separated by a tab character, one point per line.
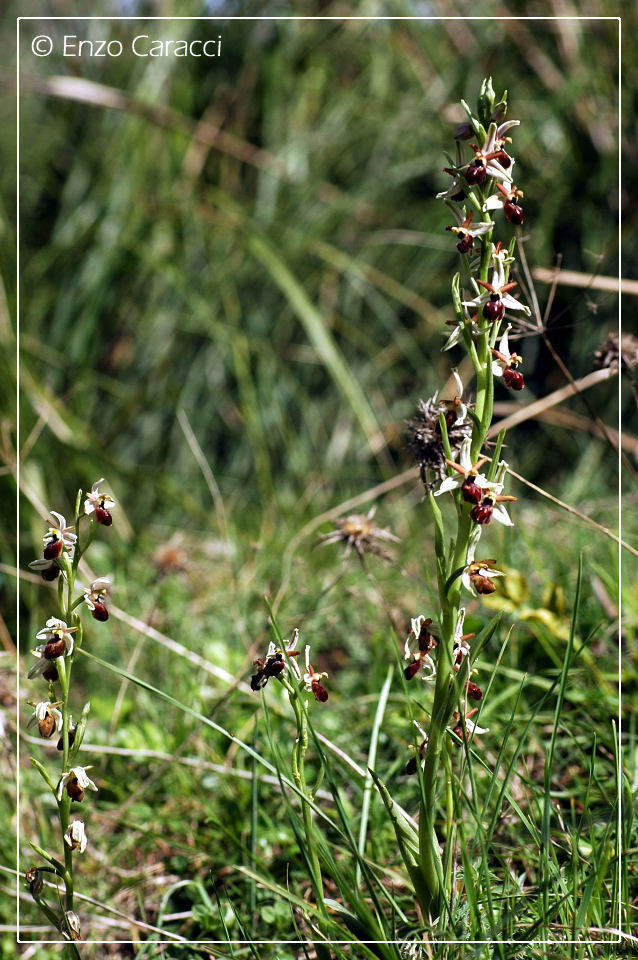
64	545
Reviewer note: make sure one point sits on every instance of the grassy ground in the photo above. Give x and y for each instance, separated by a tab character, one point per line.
234	281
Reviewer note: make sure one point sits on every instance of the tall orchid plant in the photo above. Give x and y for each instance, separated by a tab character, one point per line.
449	438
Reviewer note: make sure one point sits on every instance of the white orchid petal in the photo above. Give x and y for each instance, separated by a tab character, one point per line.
490	139
479	229
504	345
504	127
465	458
495	202
481	481
511	304
501	515
496	171
473	728
448	485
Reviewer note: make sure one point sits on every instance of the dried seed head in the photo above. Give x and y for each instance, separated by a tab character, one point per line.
423	437
360	531
615	352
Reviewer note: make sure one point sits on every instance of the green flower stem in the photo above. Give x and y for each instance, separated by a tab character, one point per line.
299	778
429	855
482	368
450	834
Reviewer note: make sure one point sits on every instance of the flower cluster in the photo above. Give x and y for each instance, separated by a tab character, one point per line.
418	645
277	662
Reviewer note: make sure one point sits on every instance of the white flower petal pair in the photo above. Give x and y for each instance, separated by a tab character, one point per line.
79	774
96	499
42	710
75	837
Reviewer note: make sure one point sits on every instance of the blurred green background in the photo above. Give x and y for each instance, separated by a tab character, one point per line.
241	262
